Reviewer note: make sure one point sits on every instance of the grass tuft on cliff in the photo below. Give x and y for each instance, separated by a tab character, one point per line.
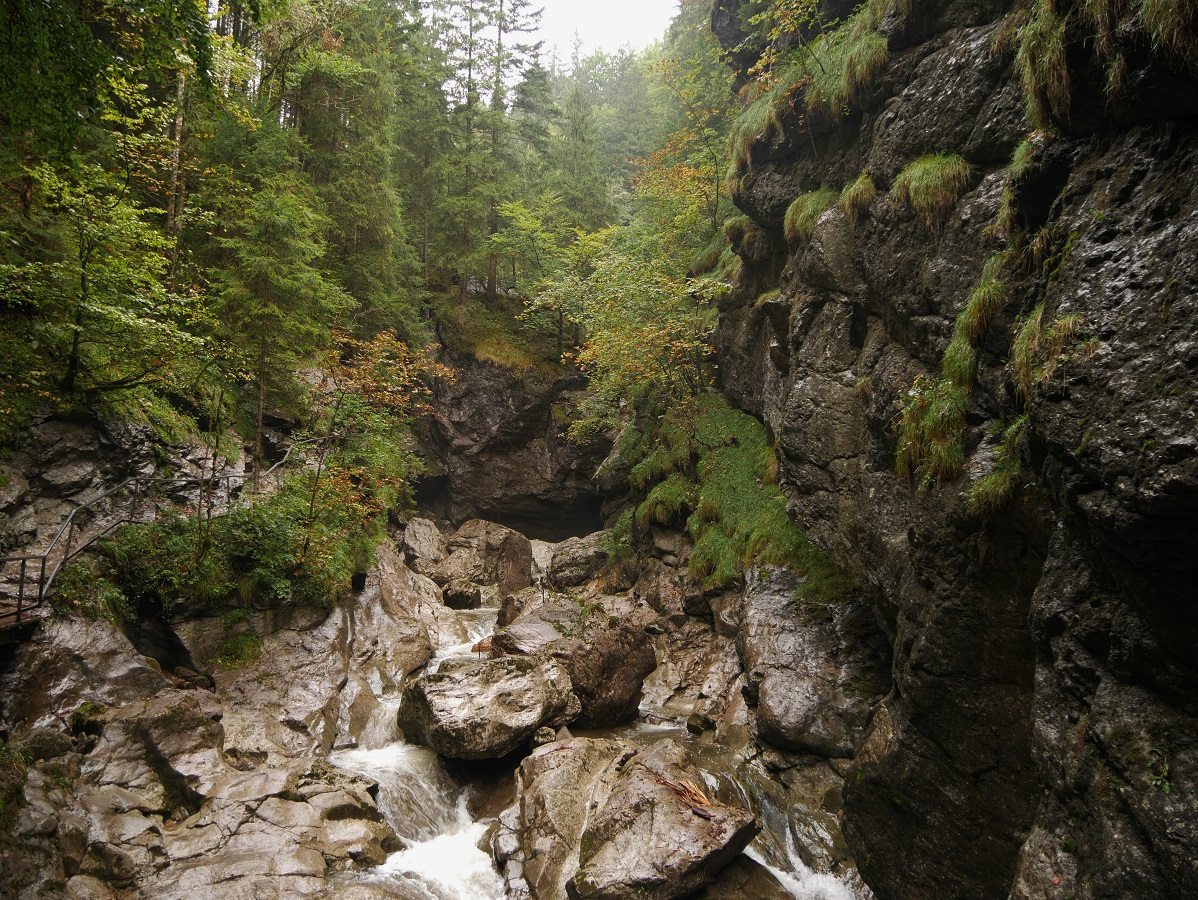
857	197
992	491
804	212
1042	64
1039	349
985	301
823	79
1173	27
931	186
931	425
841	67
759	118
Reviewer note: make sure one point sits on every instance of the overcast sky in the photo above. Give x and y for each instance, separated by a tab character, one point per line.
603	24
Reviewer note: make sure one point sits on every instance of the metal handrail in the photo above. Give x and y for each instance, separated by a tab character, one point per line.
42	560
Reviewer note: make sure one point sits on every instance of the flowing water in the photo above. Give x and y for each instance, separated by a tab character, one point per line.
427	806
424	803
776	847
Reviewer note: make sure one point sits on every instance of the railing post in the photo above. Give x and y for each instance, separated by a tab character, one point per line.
41	582
21	591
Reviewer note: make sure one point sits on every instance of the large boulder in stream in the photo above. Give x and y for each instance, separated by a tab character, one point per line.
577	560
814	670
504	556
605	650
489	709
597	819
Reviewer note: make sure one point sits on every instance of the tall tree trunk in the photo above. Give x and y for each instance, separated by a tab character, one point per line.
73	363
174	205
258	435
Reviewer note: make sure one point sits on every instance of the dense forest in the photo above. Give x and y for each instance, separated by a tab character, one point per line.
212	219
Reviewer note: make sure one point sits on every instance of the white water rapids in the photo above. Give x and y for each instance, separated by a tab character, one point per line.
427	808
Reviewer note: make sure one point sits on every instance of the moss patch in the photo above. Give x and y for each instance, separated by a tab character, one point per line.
711	469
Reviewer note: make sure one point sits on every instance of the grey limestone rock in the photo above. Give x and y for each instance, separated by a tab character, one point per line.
488	709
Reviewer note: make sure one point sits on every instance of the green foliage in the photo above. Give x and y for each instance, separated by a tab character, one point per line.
13	766
768	297
666	501
1042	64
622	538
804	212
736	228
709	257
239	650
830	72
959	362
80	592
284	549
931	186
992	491
857	197
1113	27
931	425
495	332
710	466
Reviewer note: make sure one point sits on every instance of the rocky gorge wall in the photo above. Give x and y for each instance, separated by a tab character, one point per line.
1039	739
495	450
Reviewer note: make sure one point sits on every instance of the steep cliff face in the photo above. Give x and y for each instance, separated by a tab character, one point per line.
1040	737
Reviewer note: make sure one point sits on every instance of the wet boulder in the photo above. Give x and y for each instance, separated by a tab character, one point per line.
599	819
156	750
287	703
423	545
504	556
390	639
463	594
417	596
556	784
658	835
577	560
814	671
488	709
607	654
747	879
69	662
462	565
